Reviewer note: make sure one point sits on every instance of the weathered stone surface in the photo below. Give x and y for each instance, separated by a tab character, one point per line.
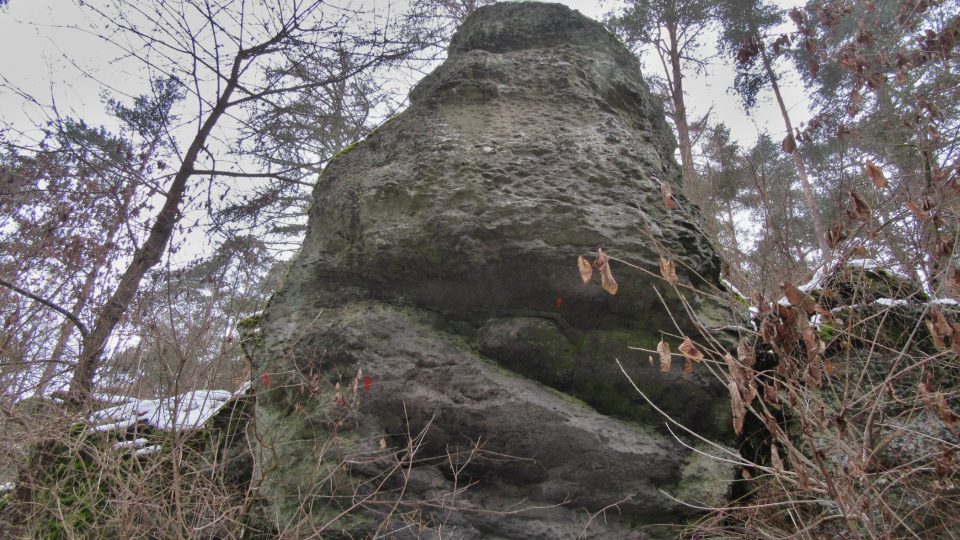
440	260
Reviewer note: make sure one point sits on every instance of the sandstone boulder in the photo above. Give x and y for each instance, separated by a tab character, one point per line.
433	361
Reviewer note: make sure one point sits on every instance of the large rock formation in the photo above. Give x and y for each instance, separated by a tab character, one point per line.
440	260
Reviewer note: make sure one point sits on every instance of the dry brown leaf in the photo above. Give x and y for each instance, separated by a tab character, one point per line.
586	270
771	395
937	340
876	174
690	351
800	299
746	354
733	369
953	284
665	358
668	200
687	365
919	212
940	330
601	259
859	209
768	330
813	344
606	276
940	323
606	280
773	428
737	407
789	144
835	235
945	412
813	375
944	246
775	459
749	393
669	271
383	443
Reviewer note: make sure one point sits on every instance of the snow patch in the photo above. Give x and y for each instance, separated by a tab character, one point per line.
730	287
147	450
136	443
185	412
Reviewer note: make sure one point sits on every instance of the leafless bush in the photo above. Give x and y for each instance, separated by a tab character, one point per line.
841	398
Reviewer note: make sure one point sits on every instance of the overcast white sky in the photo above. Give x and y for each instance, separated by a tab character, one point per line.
46	59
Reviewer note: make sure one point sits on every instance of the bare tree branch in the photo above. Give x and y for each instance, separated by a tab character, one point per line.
82	328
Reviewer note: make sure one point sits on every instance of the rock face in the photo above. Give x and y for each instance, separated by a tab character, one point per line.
433	361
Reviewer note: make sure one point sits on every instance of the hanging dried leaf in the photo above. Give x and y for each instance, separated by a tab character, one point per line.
800	299
690	351
668	200
606	280
687	366
665	358
773	428
938	341
813	344
746	354
919	212
383	443
775	459
876	174
813	374
768	330
669	271
737	407
733	370
943	327
771	395
859	209
789	144
586	271
601	259
944	411
835	235
606	276
953	284
943	247
749	393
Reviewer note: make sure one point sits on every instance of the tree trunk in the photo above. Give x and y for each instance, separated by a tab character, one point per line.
818	228
680	109
149	253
